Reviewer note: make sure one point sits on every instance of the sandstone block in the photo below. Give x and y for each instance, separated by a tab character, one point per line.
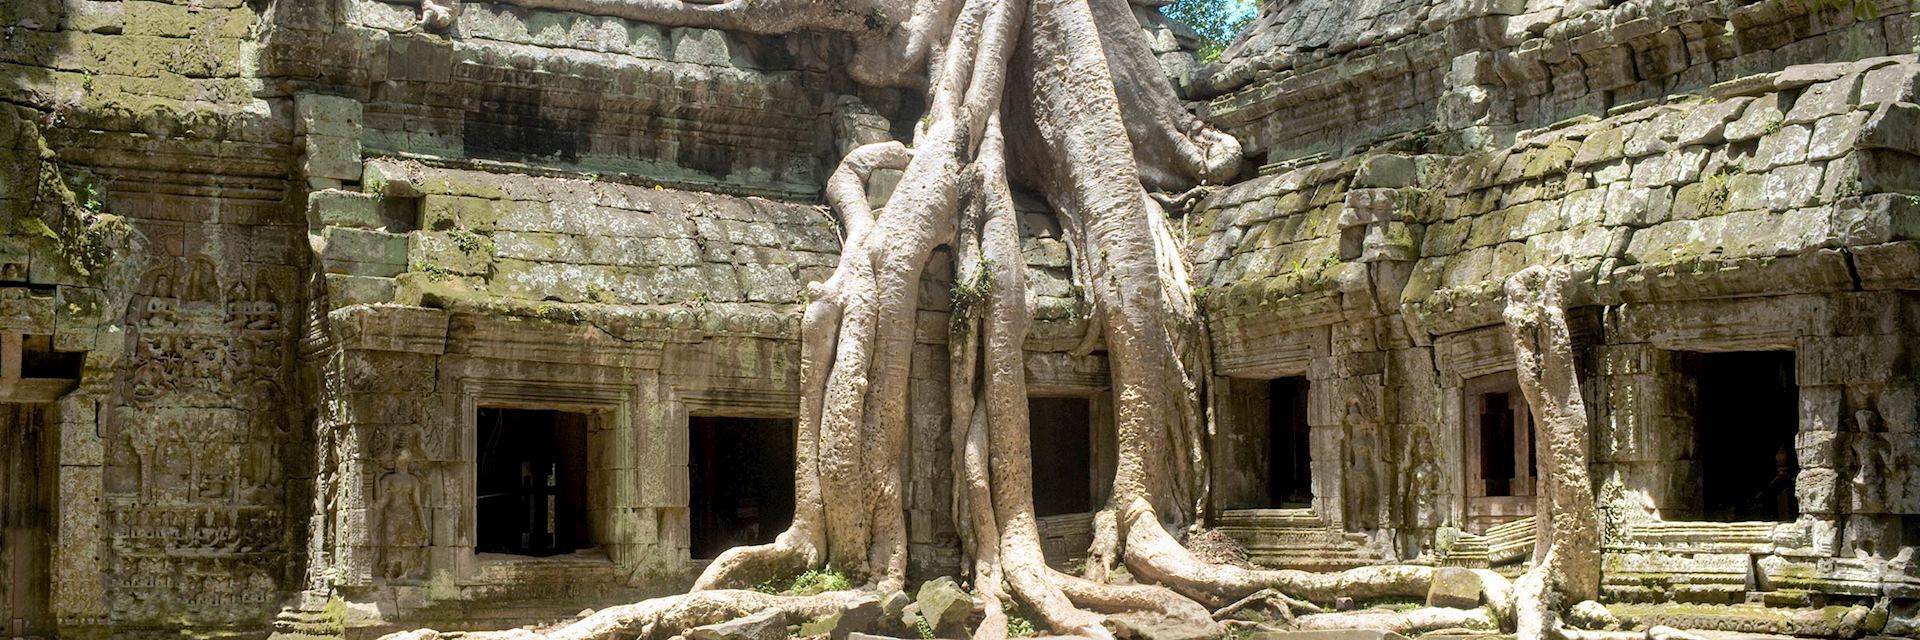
419	57
1454	587
944	605
1602	145
1783	147
1825	99
96	16
1888	85
701	46
1834	136
344	290
1760	116
363	252
1706	124
316	114
1818	490
1888	171
1874	219
336	208
1791	187
331	157
1390	171
1894	126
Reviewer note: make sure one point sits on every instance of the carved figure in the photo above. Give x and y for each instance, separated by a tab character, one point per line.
1427	507
1869	479
124	467
202	284
403	520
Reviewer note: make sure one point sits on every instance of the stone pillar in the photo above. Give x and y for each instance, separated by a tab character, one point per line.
1644	441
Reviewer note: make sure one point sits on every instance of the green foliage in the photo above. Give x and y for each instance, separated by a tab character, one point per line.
1714	202
467	241
333	617
809	582
1217	21
434	272
1018	627
968	296
70	211
924	628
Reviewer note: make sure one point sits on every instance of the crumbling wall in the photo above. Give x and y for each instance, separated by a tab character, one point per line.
181	454
1765	209
1313	77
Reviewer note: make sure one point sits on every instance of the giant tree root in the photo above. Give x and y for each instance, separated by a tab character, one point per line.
1154	555
1405	622
663	618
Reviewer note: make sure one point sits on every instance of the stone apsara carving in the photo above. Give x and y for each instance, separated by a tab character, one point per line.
402	512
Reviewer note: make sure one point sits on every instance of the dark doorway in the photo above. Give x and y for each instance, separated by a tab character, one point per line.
1499	451
1289	444
741	476
1062	446
1505	427
1748	412
531	482
26	515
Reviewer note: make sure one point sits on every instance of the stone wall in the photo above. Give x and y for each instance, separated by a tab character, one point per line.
1316	77
295	240
1743	201
182	457
698	108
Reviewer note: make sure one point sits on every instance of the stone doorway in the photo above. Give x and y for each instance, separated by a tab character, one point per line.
1062	446
1263	450
740	472
1747	412
1289	444
1501	463
27	490
531	482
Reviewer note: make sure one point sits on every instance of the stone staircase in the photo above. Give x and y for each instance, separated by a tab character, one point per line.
1297	539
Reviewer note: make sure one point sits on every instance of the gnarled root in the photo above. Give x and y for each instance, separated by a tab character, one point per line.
662	618
1156	556
1407	622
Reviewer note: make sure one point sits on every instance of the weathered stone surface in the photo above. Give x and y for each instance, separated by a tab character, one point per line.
944	605
766	625
621	216
1454	587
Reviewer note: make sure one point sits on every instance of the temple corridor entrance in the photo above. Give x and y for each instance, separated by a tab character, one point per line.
1748	411
1289	444
1062	446
1501	463
531	485
27	490
740	472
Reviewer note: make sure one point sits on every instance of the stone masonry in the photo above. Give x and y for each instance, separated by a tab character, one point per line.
264	265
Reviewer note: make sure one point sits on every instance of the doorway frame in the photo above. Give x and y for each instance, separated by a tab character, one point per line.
610	428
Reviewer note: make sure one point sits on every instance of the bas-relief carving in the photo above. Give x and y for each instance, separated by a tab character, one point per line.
400	506
1868	483
194	483
1362	504
1427	502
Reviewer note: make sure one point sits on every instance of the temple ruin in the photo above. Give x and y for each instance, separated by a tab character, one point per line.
338	318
